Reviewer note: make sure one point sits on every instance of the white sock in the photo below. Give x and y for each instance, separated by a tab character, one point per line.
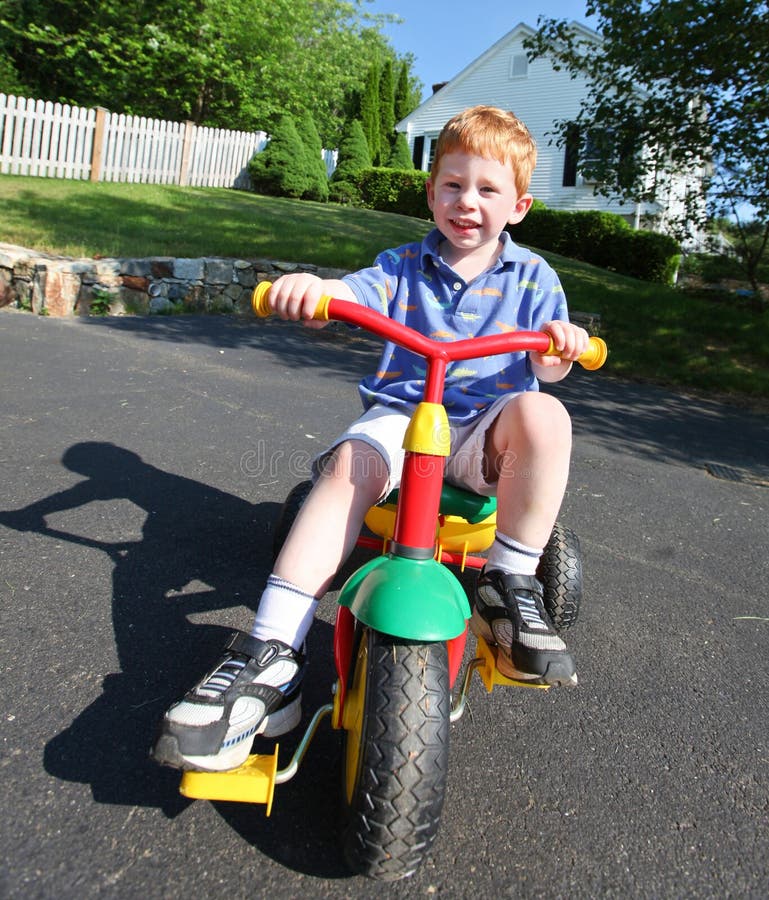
511	556
285	613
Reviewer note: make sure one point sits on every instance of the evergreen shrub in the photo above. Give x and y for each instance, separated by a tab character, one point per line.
280	169
353	154
317	177
602	239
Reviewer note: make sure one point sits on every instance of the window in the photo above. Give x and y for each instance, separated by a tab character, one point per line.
418	151
423	152
597	143
519	66
571	155
431	152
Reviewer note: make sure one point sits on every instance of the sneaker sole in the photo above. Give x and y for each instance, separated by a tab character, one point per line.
166	751
555	675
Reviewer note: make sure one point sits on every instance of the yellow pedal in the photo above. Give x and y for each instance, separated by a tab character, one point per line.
253	782
490	674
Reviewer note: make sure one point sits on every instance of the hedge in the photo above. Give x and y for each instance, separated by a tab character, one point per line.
394	190
602	239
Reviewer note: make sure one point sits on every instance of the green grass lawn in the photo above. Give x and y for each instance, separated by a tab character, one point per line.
655	333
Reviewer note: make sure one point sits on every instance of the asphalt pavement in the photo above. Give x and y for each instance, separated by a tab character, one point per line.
142	463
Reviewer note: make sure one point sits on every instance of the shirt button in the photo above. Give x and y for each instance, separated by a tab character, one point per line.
457	285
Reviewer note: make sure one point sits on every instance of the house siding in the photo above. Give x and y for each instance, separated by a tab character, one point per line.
540	99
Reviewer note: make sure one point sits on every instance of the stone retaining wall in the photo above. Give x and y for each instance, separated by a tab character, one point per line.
62	286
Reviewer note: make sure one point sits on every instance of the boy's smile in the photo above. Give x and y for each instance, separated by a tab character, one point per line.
472	198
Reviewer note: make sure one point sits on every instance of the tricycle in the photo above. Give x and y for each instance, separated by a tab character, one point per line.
402	623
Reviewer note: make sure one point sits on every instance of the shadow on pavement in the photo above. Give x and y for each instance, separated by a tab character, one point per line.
201	550
653	423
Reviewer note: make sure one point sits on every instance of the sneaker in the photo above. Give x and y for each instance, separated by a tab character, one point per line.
254	689
509	612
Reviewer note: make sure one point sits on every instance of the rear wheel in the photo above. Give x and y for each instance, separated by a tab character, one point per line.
560	571
396	722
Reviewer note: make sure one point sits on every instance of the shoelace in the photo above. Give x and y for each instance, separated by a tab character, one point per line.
529	613
218	682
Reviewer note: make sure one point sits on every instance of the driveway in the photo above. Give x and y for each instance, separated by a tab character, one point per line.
142	462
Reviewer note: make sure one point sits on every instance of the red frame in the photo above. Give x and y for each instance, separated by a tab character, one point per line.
419	496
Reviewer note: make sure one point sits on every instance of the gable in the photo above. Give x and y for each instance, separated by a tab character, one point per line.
537	93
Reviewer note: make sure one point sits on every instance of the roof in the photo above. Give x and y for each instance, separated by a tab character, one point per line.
521	30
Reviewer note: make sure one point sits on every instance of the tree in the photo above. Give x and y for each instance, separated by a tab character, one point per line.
369	112
352	159
674	86
280	169
354	155
224	63
386	110
408	91
400	155
317	178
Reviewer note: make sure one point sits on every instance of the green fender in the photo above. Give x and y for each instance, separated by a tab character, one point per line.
416	599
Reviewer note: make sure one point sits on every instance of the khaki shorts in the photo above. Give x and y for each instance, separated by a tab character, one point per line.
383	428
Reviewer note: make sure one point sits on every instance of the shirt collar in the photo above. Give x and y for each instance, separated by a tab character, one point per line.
511	252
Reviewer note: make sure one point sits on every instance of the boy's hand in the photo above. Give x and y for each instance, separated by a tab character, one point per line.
297	296
569	340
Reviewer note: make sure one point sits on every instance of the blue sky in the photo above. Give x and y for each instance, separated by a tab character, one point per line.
446	36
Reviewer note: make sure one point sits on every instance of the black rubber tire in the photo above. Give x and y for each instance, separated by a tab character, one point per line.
293	503
394	776
560	571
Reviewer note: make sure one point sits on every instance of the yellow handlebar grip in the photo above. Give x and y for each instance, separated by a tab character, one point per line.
259	303
593	358
262	308
595	355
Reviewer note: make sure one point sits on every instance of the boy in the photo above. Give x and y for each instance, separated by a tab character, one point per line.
467	278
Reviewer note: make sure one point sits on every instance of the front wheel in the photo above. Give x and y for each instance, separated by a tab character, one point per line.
396	747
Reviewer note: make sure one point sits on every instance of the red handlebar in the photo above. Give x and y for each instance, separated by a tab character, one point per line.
469	348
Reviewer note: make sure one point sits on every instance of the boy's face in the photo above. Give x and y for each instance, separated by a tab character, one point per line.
472	198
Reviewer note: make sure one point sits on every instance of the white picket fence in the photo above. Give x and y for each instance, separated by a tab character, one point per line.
59	141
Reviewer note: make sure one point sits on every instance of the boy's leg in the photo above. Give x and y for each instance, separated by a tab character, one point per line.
527	451
353	478
255	686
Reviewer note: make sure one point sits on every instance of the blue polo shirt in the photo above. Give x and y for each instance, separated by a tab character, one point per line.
413	285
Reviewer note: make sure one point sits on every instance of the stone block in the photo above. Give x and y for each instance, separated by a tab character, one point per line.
7	293
140	268
62	288
162	267
219	271
246	276
189	269
135	282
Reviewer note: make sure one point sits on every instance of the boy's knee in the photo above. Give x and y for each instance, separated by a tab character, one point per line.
537	413
358	461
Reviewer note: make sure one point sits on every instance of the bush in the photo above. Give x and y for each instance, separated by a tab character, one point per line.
344	192
394	190
400	155
317	177
602	239
280	170
353	155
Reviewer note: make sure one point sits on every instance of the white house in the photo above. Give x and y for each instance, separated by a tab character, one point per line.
540	96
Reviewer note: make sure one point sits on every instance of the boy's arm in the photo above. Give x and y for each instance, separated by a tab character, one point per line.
570	341
296	296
